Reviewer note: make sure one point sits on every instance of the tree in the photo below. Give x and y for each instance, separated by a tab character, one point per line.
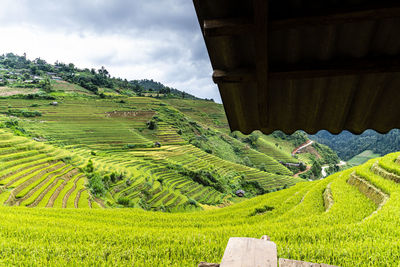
316	169
103	72
46	85
71	66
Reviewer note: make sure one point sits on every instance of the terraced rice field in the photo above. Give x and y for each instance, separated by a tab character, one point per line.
273	151
205	112
348	219
32	175
362	157
91	123
113	133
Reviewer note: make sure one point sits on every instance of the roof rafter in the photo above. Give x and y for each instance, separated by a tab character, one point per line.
338	17
314	70
238	26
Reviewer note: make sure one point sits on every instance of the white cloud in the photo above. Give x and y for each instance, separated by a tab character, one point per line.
132	39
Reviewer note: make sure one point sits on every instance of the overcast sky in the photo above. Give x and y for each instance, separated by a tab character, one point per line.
132	39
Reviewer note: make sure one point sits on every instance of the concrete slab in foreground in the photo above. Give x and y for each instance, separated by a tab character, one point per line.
252	252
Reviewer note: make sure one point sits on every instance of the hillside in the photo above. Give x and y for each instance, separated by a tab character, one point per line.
19	75
362	157
98	166
356	225
139	143
348	145
142	152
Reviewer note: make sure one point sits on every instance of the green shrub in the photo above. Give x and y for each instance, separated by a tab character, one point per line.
192	202
96	185
261	210
13	124
124	201
23	113
89	166
151	125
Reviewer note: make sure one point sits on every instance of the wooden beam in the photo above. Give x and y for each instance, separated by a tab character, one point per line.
313	70
227	27
337	17
336	68
260	8
234	76
241	26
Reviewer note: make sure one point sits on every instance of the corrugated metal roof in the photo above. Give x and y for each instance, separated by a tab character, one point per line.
308	65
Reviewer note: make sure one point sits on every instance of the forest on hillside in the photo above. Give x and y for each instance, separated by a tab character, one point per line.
347	145
20	72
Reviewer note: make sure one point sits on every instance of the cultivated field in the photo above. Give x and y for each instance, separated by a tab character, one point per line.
362	157
113	134
357	227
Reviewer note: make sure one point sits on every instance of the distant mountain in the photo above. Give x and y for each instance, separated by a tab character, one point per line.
19	72
347	145
153	86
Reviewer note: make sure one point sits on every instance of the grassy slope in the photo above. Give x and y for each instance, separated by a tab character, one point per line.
362	157
349	234
213	115
67	87
108	126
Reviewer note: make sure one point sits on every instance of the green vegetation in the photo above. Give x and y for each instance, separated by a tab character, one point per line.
168	162
18	72
355	231
349	145
142	138
23	113
362	157
140	143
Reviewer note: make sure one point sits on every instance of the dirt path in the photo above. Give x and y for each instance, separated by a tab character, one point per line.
31	192
66	197
306	144
100	202
41	196
323	171
78	196
306	170
55	194
36	169
67	178
23	169
12	199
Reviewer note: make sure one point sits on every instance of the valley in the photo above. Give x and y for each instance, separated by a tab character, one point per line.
124	175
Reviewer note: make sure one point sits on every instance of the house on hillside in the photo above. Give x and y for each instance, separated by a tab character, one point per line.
290	164
240	193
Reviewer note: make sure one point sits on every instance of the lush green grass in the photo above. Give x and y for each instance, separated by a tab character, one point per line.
32	174
362	157
70	88
115	135
207	113
349	234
